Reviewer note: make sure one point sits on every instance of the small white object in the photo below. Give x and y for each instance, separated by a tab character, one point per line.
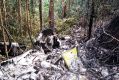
65	47
39	37
25	76
67	37
33	76
81	77
105	72
15	44
82	69
45	64
1	74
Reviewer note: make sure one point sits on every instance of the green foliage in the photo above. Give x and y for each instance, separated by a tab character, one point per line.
63	26
58	8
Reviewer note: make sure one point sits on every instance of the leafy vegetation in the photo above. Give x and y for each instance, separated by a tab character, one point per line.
15	17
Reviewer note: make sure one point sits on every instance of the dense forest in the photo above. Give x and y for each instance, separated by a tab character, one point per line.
92	24
24	18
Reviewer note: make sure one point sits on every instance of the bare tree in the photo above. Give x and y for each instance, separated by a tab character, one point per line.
91	19
69	4
64	8
51	14
28	22
19	16
40	13
2	24
32	8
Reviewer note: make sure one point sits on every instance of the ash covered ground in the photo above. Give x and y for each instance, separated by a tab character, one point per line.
97	59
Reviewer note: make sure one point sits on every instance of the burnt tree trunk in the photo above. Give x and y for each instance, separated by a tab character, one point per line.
40	13
91	20
51	14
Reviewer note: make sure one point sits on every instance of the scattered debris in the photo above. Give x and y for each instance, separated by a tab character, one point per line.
14	48
97	59
47	41
102	52
71	58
